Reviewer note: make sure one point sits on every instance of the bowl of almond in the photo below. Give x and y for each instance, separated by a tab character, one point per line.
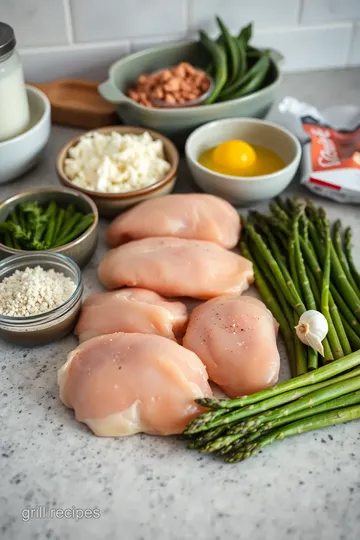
182	85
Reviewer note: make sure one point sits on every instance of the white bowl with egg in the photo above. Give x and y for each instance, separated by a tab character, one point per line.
243	190
111	204
21	153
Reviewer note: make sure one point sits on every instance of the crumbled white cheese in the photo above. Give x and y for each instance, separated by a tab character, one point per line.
33	291
116	163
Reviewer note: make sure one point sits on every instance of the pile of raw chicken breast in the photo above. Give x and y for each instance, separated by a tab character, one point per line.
142	361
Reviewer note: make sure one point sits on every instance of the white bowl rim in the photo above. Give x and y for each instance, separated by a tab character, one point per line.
226	121
46	112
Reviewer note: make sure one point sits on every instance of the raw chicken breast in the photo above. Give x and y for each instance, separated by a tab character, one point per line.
122	384
196	216
176	267
131	310
235	337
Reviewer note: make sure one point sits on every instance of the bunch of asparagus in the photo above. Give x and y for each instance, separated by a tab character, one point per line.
31	226
301	264
239	428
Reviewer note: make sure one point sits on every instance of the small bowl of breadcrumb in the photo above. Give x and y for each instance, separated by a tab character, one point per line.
40	297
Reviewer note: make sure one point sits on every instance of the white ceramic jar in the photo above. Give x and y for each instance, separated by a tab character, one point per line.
14	106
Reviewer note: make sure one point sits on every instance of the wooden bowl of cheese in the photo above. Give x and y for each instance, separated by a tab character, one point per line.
119	166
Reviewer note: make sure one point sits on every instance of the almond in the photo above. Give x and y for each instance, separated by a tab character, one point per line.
169	98
172	85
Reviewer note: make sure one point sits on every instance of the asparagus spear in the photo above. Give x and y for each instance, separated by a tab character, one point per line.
272	304
266	409
353	338
335	296
349	257
335	321
344	401
303	277
304	280
283	205
288	288
205	437
337	336
317	397
313	377
328	355
278	211
332	336
340	255
331	418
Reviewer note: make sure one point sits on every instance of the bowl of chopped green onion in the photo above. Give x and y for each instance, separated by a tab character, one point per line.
53	219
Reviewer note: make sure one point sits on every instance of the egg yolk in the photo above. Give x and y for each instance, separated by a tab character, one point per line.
234	155
238	158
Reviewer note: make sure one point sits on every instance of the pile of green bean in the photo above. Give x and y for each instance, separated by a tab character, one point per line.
237	68
31	226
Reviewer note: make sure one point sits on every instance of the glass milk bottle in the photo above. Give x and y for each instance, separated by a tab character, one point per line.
14	107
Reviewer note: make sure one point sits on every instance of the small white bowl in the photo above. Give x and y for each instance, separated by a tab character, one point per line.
237	189
21	153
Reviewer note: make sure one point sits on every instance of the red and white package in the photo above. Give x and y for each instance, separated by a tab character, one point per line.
330	163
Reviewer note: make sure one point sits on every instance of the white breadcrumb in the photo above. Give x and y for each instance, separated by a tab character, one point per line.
116	163
33	291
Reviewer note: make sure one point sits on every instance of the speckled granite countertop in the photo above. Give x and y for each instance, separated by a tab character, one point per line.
147	488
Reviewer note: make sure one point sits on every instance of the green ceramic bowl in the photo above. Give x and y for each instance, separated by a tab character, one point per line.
175	122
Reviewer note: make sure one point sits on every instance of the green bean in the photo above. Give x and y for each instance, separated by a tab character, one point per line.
39	233
256	81
242	58
14	217
59	222
219	59
231	47
68	227
22	219
256	73
245	34
8	239
52	216
76	231
17	244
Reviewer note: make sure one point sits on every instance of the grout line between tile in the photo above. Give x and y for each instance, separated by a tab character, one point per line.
351	40
75	47
68	21
300	11
301	28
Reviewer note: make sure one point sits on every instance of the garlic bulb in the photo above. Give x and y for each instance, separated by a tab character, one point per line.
311	329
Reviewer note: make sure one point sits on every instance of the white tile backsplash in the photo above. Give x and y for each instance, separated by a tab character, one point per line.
104	20
309	48
354	56
81	38
322	11
90	62
237	13
36	22
144	43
